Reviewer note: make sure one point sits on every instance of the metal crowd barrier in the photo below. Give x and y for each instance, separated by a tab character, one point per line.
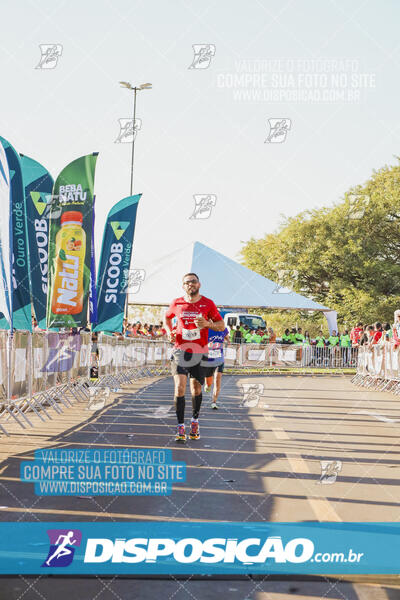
276	356
378	368
42	372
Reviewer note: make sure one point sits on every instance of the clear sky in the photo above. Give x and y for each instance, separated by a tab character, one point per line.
204	131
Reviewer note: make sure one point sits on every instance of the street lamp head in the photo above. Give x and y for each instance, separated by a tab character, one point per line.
145	86
126	84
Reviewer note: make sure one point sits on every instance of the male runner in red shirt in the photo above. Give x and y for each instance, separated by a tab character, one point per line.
194	314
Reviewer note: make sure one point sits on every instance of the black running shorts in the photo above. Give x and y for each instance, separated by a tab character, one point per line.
189	364
209	371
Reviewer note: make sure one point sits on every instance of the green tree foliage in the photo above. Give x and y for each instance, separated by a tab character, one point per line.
346	257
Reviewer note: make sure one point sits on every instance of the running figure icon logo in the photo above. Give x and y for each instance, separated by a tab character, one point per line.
278	130
203	53
251	394
50	55
330	469
134	279
127	132
62	547
203	205
358	203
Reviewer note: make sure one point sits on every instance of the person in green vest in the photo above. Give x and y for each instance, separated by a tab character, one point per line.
333	339
320	343
345	339
265	337
231	334
243	329
299	337
247	337
333	344
345	345
306	340
255	338
292	336
286	337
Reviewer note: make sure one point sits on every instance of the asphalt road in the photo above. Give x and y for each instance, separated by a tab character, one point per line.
300	448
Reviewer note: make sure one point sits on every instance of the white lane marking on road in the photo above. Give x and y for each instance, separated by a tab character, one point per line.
322	508
376	416
160	412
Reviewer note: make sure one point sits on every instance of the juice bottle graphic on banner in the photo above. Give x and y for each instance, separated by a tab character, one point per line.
67	296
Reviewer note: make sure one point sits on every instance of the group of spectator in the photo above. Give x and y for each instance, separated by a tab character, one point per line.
243	334
359	335
294	336
139	330
370	335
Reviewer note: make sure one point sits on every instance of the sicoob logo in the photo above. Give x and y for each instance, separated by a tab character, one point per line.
62	550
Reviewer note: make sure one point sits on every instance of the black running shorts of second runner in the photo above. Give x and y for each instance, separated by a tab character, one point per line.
189	364
209	371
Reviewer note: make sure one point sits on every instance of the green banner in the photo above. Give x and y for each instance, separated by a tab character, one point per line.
70	243
115	260
38	187
21	281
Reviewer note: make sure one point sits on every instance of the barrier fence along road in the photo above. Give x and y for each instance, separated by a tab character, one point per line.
378	368
42	372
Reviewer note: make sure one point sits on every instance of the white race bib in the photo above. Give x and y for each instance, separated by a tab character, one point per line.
214	354
191	334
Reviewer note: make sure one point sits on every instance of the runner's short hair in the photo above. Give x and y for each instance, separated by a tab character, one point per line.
195	274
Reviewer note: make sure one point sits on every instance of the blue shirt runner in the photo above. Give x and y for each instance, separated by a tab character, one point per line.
216	347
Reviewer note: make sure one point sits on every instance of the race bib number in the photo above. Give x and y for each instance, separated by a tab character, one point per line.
191	334
214	353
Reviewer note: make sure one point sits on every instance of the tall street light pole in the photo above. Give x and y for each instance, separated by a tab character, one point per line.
135	89
143	86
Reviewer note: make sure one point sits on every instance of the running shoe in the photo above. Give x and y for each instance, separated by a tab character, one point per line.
207	388
214	405
180	434
194	430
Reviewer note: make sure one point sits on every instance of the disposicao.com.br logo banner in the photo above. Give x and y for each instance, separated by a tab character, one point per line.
199	548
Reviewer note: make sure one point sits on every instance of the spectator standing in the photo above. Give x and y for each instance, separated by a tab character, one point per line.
248	336
333	339
255	337
387	332
320	345
355	334
396	328
238	336
345	345
299	337
377	333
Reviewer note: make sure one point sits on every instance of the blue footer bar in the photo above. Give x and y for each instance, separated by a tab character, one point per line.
199	548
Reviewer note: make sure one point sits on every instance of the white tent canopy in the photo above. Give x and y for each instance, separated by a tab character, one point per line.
225	281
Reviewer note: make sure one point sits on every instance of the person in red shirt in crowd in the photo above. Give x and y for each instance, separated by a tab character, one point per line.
162	329
355	334
195	314
376	334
